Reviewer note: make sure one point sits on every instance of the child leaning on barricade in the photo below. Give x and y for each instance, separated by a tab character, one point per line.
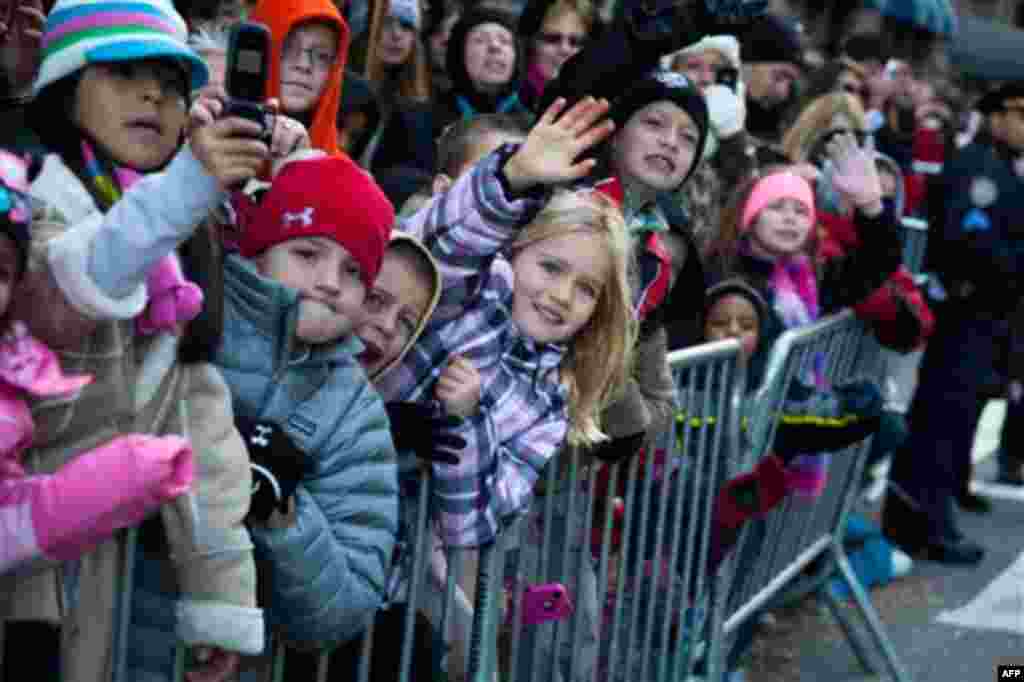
733	309
548	351
111	105
397	309
656	106
60	516
768	237
409	287
325	507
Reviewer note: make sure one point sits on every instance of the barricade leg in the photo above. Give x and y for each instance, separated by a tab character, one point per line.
852	636
125	607
867	611
482	660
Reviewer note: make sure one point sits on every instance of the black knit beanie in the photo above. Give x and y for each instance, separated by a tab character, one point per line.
662	85
735	287
455	58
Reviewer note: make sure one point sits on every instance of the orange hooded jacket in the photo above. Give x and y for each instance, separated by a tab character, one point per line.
281	16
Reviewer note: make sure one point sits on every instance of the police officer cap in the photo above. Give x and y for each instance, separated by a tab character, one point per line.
1010	94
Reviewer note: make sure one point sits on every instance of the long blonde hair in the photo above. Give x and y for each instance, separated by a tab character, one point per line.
816	119
599	359
413	75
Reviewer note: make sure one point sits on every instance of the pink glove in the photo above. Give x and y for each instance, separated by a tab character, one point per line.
172	298
28	365
855	177
16	431
63	515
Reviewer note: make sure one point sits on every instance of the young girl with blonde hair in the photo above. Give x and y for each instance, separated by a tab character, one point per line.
542	313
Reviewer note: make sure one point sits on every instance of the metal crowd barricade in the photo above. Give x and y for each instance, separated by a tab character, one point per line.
914	235
435	593
643	605
804	537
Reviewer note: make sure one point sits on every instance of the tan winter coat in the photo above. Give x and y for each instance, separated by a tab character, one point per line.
139	386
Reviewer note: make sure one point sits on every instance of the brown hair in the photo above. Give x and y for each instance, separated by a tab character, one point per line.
413	76
459	141
584	9
722	252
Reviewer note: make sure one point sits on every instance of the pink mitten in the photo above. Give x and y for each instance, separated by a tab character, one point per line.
102	491
172	298
16	431
28	365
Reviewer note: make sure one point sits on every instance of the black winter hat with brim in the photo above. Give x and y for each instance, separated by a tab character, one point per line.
455	58
998	99
662	85
735	286
771	38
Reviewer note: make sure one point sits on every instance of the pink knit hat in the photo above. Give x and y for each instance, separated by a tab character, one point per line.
782	185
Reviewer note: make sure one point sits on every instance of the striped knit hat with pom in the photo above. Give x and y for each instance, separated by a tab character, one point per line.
83	32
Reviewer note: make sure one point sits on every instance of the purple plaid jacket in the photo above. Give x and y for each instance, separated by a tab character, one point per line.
523	416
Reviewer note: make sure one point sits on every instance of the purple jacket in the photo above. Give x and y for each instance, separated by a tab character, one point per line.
523	416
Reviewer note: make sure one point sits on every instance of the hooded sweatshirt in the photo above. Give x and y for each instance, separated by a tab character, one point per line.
464	100
435	297
281	17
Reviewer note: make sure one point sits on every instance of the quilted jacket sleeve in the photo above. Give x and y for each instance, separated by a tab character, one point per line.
467	226
327	570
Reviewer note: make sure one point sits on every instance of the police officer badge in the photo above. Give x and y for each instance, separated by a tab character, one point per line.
983	192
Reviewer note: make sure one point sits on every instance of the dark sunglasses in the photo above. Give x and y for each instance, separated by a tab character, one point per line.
861	136
574	40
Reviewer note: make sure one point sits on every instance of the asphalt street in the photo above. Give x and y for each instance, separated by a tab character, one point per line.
949	624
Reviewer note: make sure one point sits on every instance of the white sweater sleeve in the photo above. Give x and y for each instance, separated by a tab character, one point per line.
101	263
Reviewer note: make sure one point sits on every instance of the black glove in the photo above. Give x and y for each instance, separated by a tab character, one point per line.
415	427
827	420
619	449
277	466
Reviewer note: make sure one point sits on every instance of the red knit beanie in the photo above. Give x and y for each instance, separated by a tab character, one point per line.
328	196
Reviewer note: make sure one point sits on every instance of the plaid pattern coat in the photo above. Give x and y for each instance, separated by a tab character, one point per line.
523	416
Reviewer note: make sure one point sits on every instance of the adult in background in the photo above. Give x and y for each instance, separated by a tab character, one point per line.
485	67
398	71
713	65
441	18
219	14
551	32
211	44
977	251
19	61
773	63
840	75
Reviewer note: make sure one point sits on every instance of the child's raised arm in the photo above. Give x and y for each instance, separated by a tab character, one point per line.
848	280
469	224
101	263
493	481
